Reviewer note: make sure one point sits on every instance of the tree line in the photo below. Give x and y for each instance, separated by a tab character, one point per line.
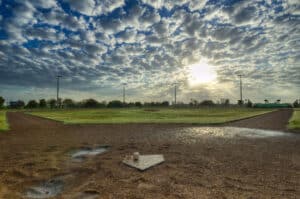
70	103
92	103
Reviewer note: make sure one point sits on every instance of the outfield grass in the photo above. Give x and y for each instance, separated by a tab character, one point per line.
294	122
3	122
144	115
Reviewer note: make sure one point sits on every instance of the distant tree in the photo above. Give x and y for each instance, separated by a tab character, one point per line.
59	103
102	104
225	102
32	104
278	101
90	103
240	102
42	103
115	104
296	104
249	103
130	104
2	100
181	104
165	103
68	103
146	104
207	103
138	104
52	103
193	102
16	104
20	104
266	101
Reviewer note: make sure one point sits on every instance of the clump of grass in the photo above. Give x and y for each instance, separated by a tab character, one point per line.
294	122
3	121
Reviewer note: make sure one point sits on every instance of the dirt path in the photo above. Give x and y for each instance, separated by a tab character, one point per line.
37	149
277	120
20	121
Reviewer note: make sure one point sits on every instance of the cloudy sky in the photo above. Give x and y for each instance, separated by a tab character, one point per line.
97	45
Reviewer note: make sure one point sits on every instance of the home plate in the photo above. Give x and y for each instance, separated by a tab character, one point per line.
144	161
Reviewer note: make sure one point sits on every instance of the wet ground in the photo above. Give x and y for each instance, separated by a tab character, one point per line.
276	120
37	161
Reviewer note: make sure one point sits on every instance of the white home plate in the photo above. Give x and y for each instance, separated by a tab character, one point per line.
144	162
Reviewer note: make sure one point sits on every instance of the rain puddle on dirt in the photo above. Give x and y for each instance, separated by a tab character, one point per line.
53	187
82	154
226	132
47	189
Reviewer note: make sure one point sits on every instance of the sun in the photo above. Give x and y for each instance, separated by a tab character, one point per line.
201	73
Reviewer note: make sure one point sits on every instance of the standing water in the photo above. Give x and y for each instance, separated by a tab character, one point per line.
191	134
81	154
47	189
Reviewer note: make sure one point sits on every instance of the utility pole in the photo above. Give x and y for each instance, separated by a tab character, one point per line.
175	93
57	90
241	88
124	84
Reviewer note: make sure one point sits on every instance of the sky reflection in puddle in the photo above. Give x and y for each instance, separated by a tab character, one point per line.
226	132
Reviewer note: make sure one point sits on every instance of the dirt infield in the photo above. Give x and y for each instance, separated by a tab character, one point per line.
36	150
277	120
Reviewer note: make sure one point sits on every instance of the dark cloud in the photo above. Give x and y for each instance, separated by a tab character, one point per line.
245	15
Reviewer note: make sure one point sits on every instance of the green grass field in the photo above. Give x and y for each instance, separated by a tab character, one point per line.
153	115
3	122
294	122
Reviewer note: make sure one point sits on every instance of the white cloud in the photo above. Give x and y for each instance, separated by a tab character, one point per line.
170	4
141	47
95	7
44	4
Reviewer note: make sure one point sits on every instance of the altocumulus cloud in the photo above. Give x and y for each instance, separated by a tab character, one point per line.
96	45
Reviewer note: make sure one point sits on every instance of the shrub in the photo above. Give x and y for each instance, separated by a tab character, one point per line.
90	103
138	104
240	102
207	103
115	104
52	103
296	104
32	104
249	104
42	103
17	104
2	100
68	103
165	103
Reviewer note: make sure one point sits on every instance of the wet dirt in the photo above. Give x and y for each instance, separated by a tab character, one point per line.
80	155
276	121
199	163
46	189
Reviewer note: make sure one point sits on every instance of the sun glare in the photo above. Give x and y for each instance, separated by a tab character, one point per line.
201	73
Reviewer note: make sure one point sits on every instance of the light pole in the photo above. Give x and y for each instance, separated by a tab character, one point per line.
241	88
57	90
175	93
124	84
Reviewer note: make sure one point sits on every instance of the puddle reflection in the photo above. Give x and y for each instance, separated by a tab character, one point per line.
226	132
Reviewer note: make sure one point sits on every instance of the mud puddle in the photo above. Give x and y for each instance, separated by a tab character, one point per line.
48	189
190	134
83	153
55	186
